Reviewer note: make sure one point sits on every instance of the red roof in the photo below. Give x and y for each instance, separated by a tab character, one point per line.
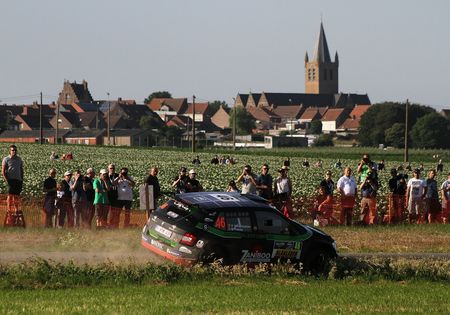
358	111
175	104
332	114
350	124
200	108
288	111
262	114
311	112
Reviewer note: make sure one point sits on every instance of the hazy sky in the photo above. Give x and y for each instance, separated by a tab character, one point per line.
391	50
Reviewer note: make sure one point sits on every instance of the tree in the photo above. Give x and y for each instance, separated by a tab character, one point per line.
432	131
383	116
324	140
149	122
316	127
245	122
395	136
159	94
214	106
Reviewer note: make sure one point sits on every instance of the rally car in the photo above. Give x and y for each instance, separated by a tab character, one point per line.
233	228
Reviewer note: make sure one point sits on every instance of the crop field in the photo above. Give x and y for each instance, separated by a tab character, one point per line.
108	272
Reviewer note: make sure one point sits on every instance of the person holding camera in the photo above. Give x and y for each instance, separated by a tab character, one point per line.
369	188
248	181
366	166
192	184
78	190
101	202
179	183
124	184
397	188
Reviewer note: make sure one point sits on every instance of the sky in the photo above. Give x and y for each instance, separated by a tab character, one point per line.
391	50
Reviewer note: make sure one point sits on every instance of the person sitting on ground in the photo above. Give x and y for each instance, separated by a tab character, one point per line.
322	213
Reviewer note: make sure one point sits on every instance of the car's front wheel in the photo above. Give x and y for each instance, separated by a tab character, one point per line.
319	262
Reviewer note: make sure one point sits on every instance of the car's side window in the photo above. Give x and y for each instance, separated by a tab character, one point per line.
234	221
271	223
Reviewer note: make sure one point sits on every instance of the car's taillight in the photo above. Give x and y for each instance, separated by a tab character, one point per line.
188	239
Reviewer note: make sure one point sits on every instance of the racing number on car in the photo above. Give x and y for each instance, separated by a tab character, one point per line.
220	223
225	198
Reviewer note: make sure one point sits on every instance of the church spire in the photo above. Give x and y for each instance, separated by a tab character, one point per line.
321	53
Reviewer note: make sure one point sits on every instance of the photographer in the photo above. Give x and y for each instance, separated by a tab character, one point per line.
248	181
397	188
366	166
369	188
124	184
180	181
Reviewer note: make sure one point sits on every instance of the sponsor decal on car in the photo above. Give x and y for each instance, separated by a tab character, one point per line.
163	231
173	252
255	257
156	244
287	249
224	198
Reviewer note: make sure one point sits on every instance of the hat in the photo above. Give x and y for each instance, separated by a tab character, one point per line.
192	172
67	173
90	170
284	168
103	171
183	169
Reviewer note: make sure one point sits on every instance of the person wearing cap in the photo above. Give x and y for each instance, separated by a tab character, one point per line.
192	184
347	188
431	198
283	192
152	182
65	202
88	212
179	182
396	207
50	198
445	191
369	188
264	183
78	196
101	186
414	195
247	180
365	166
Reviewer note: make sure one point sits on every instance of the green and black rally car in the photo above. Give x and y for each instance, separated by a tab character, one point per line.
233	227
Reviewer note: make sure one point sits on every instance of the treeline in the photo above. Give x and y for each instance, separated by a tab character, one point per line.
384	123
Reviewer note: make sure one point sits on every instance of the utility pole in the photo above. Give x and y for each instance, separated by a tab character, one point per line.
109	119
57	119
234	125
405	158
41	134
193	123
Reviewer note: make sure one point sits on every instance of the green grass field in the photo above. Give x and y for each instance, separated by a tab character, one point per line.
247	296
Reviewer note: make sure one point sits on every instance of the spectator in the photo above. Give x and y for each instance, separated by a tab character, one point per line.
369	188
414	195
305	163
445	191
69	156
396	207
232	187
366	166
12	172
124	184
338	164
440	166
248	181
381	165
215	160
88	213
65	202
421	167
151	183
431	198
101	186
283	193
400	167
318	163
78	197
328	184
322	213
50	199
112	192
196	161
408	167
347	188
192	184
180	181
264	183
54	156
287	162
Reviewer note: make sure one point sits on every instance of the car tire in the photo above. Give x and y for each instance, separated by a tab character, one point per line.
214	255
319	262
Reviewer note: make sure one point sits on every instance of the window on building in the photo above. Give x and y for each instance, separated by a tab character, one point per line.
314	74
309	75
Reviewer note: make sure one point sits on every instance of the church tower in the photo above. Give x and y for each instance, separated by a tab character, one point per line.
321	74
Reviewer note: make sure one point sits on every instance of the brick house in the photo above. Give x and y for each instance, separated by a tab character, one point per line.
87	137
30	136
75	93
221	118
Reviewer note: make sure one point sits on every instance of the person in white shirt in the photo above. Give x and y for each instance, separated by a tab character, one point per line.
445	191
346	185
282	188
414	196
248	181
124	184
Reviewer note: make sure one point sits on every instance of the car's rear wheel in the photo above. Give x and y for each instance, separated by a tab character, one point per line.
214	255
